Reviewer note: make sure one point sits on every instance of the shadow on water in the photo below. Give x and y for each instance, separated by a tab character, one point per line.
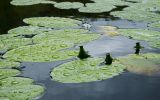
12	16
82	1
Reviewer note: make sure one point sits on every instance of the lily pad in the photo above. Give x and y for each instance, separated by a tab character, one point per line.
52	22
147	64
74	36
96	8
153	37
40	53
8	42
8	64
4	73
30	2
155	25
25	30
15	81
68	5
22	92
87	70
146	11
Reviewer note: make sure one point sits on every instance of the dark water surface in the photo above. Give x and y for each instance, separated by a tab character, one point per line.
127	86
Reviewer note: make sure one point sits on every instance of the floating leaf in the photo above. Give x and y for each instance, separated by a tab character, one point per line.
87	70
147	64
155	25
68	5
26	30
52	22
73	36
40	53
4	73
9	41
147	11
30	2
15	81
96	8
153	37
8	64
22	92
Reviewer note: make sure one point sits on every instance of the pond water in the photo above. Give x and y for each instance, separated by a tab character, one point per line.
126	86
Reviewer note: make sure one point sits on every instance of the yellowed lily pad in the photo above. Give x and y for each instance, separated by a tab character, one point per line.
147	64
108	30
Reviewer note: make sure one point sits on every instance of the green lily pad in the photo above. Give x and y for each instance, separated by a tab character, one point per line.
155	25
87	70
26	30
22	92
100	6
96	8
73	36
146	11
147	64
68	5
40	53
52	22
9	41
4	73
15	81
8	64
30	2
153	37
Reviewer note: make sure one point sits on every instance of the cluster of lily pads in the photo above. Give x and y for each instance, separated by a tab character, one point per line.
51	35
41	41
147	64
98	6
147	11
16	88
94	69
86	70
153	37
